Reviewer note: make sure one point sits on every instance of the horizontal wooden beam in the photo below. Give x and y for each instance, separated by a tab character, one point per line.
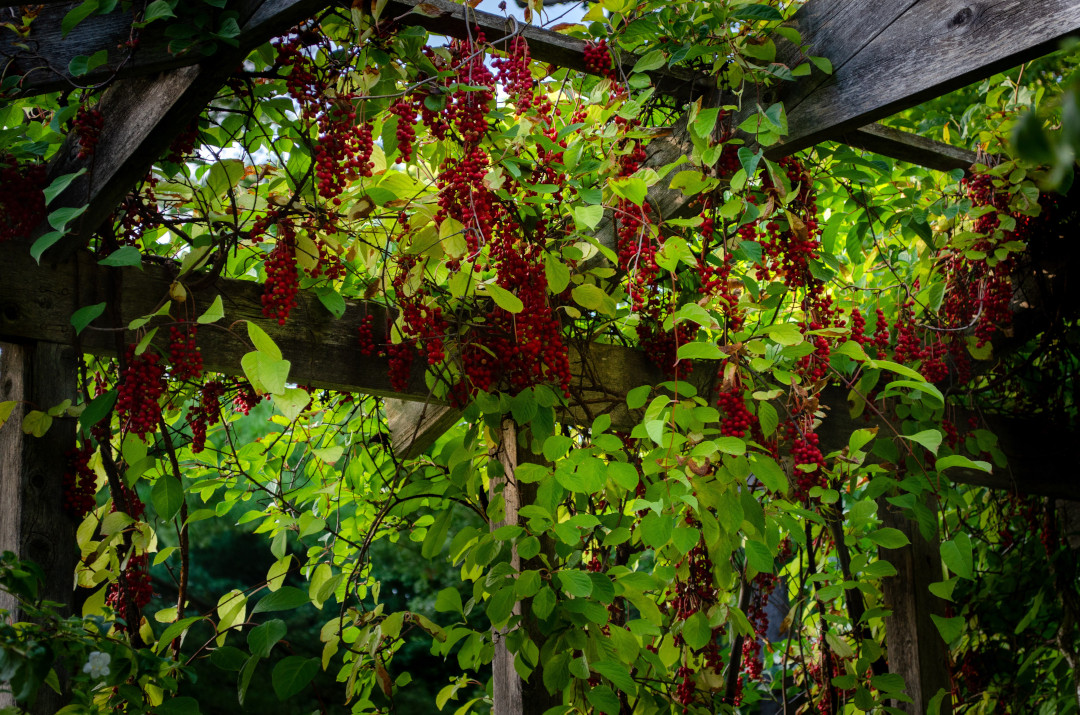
36	304
889	55
909	147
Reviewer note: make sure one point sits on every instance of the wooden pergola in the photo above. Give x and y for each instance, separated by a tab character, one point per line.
887	56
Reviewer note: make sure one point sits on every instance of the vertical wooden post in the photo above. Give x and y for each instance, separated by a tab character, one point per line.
32	521
915	648
510	695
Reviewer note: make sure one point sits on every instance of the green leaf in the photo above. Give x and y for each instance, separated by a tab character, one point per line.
57	186
636	397
123	257
76	15
266	374
603	698
630	188
449	601
958	556
589	296
174	631
331	300
759	556
157	10
769	473
263	342
949	628
623	474
931	439
758	12
785	333
557	274
214	313
86	315
43	243
291	401
655	530
262	639
705	122
284	599
699	351
167	496
959	460
696	630
543	603
650	61
504	298
293	674
60	218
889	538
588	216
576	583
617	673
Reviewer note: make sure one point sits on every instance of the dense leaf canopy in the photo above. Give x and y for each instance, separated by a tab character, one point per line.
831	339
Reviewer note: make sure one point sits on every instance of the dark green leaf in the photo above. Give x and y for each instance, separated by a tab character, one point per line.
284	599
293	674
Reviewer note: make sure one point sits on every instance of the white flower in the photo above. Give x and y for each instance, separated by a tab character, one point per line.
97	665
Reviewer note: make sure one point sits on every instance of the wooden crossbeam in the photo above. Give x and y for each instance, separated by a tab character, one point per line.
38	301
889	55
143	115
46	68
909	147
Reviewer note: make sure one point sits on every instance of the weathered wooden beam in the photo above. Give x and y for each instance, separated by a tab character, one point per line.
909	147
33	524
143	115
37	302
892	55
916	650
41	60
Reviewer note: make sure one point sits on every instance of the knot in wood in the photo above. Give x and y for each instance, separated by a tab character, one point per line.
962	17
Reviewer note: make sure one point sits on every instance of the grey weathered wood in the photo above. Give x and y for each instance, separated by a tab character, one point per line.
915	649
911	148
143	115
41	58
32	521
506	690
928	49
414	426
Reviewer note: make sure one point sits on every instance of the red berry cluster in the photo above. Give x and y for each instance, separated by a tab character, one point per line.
810	463
366	336
246	398
139	213
737	421
282	279
345	144
184	356
80	482
401	359
598	60
205	414
131	591
406	128
514	74
22	203
184	144
88	125
142	383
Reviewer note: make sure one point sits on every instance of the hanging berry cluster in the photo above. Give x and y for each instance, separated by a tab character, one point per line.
22	203
131	591
142	383
501	349
80	482
88	125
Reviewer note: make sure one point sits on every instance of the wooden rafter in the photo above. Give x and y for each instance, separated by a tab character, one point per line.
889	55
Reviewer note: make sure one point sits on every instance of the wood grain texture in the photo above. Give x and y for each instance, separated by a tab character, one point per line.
414	426
41	59
911	148
933	47
32	521
915	649
143	115
506	685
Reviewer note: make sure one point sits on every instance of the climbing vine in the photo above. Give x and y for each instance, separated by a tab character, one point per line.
829	338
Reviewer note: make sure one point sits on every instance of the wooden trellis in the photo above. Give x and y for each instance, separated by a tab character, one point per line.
887	55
